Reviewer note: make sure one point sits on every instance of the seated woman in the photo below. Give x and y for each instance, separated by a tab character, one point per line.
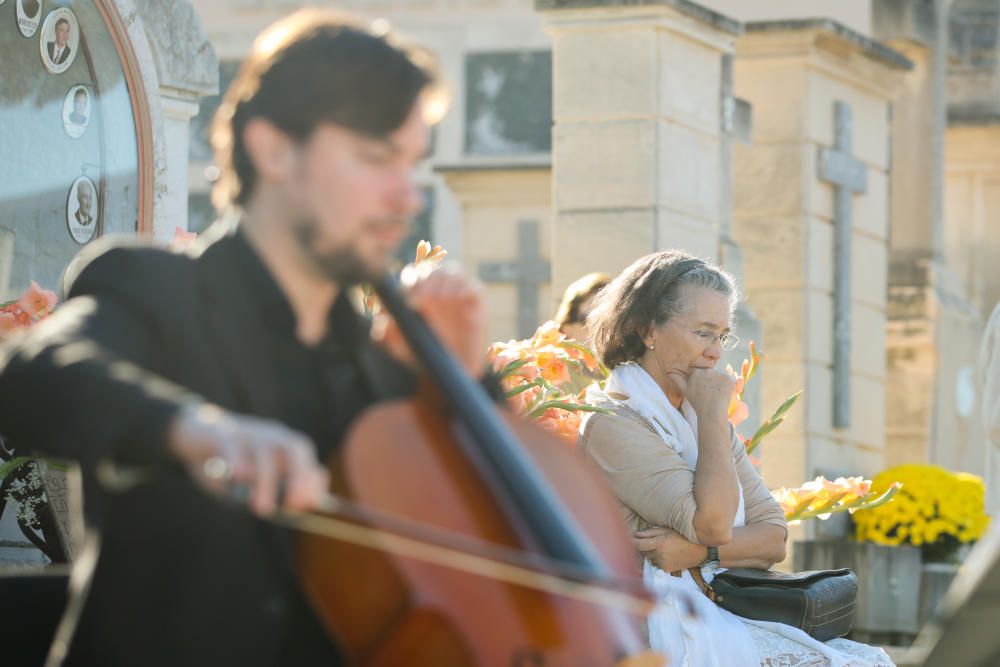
688	488
577	301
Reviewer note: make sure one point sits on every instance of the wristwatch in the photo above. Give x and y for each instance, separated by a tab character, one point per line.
710	565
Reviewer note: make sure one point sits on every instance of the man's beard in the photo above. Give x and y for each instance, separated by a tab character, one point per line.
342	265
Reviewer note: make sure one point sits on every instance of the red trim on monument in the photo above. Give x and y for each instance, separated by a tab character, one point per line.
140	112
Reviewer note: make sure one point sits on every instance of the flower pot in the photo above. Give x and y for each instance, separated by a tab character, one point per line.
935	579
888	581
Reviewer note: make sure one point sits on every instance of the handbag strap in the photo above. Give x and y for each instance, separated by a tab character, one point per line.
703	585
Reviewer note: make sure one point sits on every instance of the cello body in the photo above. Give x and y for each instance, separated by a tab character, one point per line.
386	610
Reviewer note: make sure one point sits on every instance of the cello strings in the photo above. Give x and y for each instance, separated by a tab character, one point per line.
462	561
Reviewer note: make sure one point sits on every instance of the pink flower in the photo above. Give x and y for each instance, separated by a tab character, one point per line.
182	238
37	302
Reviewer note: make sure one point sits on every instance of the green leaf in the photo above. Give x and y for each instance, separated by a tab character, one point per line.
540	409
881	500
7	467
764	430
786	406
509	369
537	382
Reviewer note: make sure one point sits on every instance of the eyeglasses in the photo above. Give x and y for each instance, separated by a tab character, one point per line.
727	340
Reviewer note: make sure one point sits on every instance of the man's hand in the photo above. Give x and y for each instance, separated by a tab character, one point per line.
452	305
223	451
669	550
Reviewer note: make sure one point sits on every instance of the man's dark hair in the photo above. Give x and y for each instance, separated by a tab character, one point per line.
316	66
80	92
66	21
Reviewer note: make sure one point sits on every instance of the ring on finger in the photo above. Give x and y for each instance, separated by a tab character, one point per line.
217	469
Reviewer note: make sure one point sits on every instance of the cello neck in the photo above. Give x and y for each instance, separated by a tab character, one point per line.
537	504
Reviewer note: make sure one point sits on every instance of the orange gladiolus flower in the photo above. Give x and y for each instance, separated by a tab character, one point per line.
547	334
738	410
552	367
426	253
562	423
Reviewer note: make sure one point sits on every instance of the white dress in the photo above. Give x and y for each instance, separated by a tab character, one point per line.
690	629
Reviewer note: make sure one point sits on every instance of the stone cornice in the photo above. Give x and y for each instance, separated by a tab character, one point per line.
692	9
966	118
870	47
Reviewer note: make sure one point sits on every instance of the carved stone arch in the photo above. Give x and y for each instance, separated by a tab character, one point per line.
169	65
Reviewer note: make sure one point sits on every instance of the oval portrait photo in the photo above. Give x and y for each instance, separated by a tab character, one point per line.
60	40
76	111
29	15
81	210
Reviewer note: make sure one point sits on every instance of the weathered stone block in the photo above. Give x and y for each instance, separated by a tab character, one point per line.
867	411
868	345
783	312
696	236
779	380
819	325
625	174
689	76
590	85
689	171
869	271
820	254
775	243
769	180
605	241
783	457
776	89
871	210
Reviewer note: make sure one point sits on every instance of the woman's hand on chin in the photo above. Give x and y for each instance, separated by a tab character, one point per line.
709	391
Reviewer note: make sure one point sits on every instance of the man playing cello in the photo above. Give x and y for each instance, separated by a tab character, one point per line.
243	361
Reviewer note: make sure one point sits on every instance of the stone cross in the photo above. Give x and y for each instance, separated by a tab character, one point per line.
849	177
529	273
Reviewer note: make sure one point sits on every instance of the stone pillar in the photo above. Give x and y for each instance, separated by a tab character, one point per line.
637	139
821	96
932	329
495	202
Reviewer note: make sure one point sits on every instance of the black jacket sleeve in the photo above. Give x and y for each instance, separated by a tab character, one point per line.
77	385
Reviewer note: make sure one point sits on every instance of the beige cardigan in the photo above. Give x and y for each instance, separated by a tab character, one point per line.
653	482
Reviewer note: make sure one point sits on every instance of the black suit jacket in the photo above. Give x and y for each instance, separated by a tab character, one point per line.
52	52
182	578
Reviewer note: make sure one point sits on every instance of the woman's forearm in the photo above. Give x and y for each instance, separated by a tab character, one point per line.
759	546
716	485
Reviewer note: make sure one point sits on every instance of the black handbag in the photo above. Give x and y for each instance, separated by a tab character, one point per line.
819	602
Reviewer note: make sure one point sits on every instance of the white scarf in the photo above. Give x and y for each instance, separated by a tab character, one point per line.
677	428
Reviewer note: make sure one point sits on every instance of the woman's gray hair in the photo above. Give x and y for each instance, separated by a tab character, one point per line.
648	292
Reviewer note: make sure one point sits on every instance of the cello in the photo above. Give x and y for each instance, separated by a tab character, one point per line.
458	534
